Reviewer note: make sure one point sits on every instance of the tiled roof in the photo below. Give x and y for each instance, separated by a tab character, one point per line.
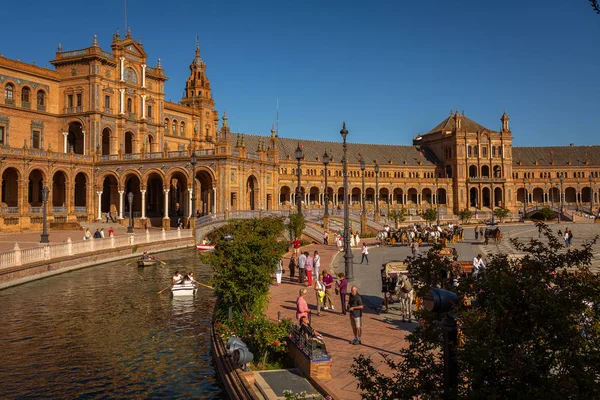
467	124
561	155
315	148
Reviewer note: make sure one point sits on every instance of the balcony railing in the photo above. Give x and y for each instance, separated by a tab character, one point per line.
25	104
10	210
41	107
35	210
81	209
485	179
59	210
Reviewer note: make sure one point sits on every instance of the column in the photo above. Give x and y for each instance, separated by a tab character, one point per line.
84	140
122	105
214	204
66	143
143	106
144	75
166	191
143	191
190	213
99	193
121	203
122	69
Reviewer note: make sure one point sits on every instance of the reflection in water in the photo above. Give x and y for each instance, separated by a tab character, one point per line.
104	332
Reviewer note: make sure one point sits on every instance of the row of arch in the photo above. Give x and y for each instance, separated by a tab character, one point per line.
484	171
570	195
26	94
315	196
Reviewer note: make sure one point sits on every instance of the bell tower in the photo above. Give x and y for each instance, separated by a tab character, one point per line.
197	95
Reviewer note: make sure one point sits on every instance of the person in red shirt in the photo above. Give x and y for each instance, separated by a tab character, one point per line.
296	245
111	232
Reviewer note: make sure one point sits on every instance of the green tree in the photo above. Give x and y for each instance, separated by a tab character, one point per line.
398	216
546	213
465	215
244	266
296	225
430	215
532	331
501	213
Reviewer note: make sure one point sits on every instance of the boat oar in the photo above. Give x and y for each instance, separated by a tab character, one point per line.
162	262
202	284
131	262
164	289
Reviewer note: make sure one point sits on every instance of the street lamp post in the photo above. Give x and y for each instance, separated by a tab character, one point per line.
130	200
551	194
194	161
376	191
437	202
348	256
363	215
326	160
299	156
44	235
591	196
562	195
524	198
492	201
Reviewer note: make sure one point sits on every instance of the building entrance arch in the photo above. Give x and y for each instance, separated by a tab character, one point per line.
251	193
59	189
36	182
80	192
75	138
10	187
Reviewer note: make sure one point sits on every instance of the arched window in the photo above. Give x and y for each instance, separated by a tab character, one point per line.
8	92
129	105
25	95
166	125
41	98
174	127
182	129
493	151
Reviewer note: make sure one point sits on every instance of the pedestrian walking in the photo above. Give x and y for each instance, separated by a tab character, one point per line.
566	237
355	306
293	264
278	272
301	267
302	309
325	238
341	288
309	267
320	294
296	246
316	263
415	248
540	231
328	281
476	233
478	265
365	253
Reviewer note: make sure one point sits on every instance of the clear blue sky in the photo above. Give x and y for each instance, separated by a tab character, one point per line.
390	69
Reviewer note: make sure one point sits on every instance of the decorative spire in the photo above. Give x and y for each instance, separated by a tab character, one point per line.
95	41
128	35
273	131
158	65
59	48
225	123
140	41
197	62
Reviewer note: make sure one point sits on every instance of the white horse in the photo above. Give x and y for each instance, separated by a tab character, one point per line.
404	291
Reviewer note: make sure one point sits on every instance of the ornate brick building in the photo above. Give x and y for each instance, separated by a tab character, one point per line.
97	127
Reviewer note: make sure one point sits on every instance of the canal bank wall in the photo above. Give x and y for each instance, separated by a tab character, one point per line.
18	275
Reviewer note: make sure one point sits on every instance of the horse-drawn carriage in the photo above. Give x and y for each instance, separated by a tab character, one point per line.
395	282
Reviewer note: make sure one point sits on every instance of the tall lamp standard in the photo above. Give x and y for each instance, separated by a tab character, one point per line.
376	191
437	203
348	256
326	160
591	196
299	156
492	201
130	200
363	215
524	198
44	235
194	161
551	194
562	196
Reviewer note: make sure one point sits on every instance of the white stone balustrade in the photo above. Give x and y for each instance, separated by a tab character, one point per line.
19	256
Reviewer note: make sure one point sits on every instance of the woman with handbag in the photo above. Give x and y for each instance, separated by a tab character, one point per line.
293	264
320	292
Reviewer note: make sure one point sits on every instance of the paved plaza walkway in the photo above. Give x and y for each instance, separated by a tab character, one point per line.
384	332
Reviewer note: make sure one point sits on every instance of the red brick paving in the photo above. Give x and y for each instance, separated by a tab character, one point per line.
379	334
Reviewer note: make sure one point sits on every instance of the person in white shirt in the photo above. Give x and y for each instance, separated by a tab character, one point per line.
177	278
316	263
478	265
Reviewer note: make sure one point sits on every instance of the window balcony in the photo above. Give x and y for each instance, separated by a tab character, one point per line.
25	104
41	107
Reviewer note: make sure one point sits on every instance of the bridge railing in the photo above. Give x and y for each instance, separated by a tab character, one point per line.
18	256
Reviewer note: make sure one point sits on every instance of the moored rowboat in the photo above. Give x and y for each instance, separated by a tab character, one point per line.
183	290
205	247
147	263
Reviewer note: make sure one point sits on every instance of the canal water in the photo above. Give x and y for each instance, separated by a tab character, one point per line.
104	332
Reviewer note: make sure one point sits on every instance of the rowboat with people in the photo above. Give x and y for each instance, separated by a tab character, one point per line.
205	247
147	263
183	289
